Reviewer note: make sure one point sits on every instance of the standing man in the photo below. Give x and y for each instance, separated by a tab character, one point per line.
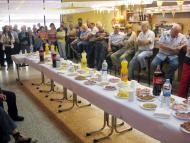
145	42
170	43
15	33
24	40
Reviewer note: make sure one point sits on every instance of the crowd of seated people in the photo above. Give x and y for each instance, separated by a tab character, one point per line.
100	45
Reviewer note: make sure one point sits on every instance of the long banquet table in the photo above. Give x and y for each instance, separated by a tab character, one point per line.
164	130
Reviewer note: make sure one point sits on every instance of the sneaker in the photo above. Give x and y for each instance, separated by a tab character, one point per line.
18	118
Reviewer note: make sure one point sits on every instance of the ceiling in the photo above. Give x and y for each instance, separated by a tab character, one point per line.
33	10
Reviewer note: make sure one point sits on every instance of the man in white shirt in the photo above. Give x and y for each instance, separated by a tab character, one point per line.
145	43
170	43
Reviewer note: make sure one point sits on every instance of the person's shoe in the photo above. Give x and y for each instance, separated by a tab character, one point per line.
3	65
20	139
18	118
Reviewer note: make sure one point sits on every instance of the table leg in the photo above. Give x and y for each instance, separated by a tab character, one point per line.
18	74
113	127
74	103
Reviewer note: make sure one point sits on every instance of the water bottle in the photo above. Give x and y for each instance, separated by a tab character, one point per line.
166	94
58	61
104	71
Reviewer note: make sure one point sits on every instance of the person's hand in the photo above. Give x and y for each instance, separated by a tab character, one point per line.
2	97
109	49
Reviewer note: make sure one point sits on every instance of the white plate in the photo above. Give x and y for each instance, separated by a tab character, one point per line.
146	100
174	114
121	97
110	89
72	74
141	105
184	130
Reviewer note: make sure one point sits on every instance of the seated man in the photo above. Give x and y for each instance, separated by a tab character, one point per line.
145	42
170	43
114	43
8	127
10	98
185	79
128	49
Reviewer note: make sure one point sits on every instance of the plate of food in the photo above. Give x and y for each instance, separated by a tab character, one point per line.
179	106
182	115
185	127
146	98
122	94
148	106
103	83
110	88
90	82
72	74
114	80
142	91
80	71
80	78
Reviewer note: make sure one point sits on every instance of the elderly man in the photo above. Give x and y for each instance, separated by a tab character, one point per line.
170	43
145	43
114	43
128	49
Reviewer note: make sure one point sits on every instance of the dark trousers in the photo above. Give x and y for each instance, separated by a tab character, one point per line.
2	54
7	126
8	52
16	49
99	54
90	50
11	103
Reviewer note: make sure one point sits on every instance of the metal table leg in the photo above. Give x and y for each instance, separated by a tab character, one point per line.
18	74
113	127
74	103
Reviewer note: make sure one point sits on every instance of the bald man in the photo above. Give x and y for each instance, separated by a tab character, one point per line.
170	43
145	42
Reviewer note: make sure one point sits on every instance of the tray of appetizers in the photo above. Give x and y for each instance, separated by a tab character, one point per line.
182	115
110	88
146	98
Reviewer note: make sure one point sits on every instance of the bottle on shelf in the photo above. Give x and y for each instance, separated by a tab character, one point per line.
124	71
104	71
166	98
41	54
83	60
157	81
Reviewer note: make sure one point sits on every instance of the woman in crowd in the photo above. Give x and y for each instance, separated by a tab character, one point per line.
52	39
71	36
7	40
61	42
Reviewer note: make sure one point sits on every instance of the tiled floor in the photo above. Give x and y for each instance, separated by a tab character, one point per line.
36	124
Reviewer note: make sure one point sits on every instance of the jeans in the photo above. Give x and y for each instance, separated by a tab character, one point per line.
61	48
138	58
82	46
100	52
7	126
25	48
173	64
11	103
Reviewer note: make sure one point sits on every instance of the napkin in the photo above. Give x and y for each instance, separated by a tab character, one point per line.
162	112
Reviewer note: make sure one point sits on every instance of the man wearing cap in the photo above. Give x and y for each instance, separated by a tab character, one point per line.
128	47
114	43
170	43
145	42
